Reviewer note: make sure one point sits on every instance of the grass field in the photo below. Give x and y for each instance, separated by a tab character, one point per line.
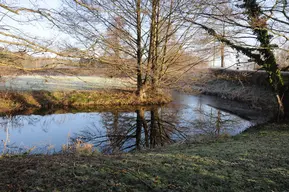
256	160
62	83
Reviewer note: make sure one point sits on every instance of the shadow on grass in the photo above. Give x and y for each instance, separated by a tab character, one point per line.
45	99
253	161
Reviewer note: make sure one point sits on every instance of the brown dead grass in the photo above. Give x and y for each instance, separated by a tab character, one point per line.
18	101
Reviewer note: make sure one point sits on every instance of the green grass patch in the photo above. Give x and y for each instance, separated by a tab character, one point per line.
256	160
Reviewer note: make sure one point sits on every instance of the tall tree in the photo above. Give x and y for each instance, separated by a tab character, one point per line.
259	23
142	40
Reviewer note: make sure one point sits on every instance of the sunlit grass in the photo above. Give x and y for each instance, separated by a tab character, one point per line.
79	147
17	101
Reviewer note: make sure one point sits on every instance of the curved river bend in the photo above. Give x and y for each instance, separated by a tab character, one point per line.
125	130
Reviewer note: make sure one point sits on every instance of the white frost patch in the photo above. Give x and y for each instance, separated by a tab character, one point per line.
57	83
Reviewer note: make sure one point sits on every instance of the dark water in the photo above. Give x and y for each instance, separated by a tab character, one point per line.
126	130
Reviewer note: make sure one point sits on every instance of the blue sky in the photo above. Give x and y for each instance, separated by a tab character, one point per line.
40	29
37	28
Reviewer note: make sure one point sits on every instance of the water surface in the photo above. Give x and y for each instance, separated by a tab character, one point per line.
125	130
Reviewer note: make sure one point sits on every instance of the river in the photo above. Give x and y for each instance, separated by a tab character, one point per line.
123	130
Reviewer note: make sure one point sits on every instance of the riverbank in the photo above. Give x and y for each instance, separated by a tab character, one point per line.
256	160
236	87
16	101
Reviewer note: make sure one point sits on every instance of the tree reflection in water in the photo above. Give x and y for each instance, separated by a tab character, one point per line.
210	121
8	123
11	123
153	127
144	128
116	131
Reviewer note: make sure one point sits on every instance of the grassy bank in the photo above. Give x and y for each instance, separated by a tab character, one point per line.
18	101
241	88
258	97
257	160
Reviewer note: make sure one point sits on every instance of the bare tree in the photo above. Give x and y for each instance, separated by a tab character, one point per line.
145	40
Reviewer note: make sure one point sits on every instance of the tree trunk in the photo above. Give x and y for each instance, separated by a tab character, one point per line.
222	55
155	64
138	129
223	48
153	130
145	126
140	90
151	54
281	111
